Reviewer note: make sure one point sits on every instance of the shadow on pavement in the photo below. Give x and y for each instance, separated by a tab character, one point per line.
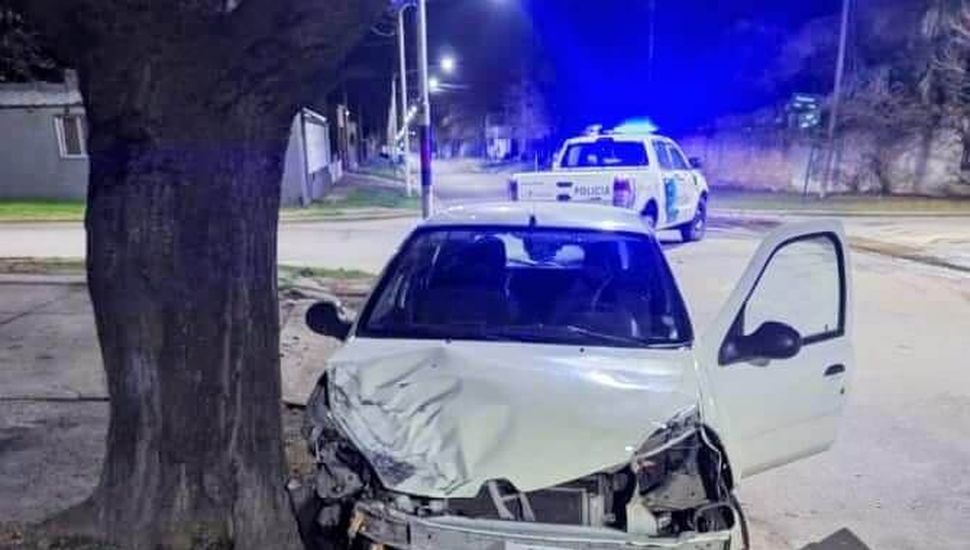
843	539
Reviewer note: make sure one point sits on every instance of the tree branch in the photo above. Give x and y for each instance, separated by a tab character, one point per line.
291	44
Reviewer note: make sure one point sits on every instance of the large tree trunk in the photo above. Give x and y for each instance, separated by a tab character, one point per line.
182	274
189	105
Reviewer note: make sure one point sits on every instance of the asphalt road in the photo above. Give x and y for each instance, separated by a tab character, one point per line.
898	477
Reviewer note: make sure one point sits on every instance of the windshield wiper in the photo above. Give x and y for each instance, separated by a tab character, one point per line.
643	342
435	332
549	333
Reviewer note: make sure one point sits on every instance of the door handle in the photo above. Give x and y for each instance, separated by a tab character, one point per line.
835	369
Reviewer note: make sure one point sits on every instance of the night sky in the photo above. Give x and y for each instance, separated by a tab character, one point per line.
590	56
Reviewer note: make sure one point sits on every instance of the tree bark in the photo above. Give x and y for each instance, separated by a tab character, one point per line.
189	105
182	274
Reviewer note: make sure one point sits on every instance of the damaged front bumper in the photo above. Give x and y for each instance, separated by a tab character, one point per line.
380	524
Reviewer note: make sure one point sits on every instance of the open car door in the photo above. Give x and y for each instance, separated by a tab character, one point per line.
776	360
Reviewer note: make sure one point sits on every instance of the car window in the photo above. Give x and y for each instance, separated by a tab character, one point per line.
677	158
663	158
605	153
802	287
530	285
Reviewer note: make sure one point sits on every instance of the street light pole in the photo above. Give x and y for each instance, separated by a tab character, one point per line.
405	108
651	44
836	99
424	130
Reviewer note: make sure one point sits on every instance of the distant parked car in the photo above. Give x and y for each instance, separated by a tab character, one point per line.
643	172
527	376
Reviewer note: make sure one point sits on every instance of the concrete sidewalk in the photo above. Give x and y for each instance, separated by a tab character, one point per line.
49	348
942	241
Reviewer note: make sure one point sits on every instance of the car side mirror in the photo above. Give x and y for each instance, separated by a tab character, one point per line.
772	340
696	163
329	319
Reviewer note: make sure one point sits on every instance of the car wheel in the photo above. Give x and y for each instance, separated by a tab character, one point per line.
695	230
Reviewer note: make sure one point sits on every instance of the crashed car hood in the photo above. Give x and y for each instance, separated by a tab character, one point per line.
439	419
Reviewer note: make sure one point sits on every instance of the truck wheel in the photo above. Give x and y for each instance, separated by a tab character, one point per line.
695	230
650	215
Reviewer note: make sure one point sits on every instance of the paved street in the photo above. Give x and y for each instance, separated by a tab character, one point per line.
899	476
366	244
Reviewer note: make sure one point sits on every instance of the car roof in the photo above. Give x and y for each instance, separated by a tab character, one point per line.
542	214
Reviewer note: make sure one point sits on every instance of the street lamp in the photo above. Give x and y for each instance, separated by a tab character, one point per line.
406	114
448	64
424	126
434	84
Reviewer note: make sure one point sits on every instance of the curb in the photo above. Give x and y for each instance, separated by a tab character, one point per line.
364	216
862	244
42	279
361	217
743	213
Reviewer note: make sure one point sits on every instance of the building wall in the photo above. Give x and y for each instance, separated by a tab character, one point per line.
31	166
293	188
747	160
920	165
308	170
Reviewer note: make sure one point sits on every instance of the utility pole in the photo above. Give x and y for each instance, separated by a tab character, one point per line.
392	123
836	98
424	131
405	108
652	42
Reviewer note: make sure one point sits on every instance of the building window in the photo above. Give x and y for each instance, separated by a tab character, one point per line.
71	135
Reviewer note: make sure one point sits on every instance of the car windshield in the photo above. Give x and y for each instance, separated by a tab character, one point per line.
552	286
605	153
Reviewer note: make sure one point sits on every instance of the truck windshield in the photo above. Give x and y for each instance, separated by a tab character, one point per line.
605	153
529	285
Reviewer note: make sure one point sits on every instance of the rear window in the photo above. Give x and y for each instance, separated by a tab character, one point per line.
605	153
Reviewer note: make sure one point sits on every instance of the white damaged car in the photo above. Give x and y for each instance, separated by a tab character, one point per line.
526	376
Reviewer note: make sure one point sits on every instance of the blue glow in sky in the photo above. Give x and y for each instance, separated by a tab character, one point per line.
709	59
642	125
590	57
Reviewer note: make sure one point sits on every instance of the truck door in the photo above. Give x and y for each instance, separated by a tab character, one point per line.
674	181
688	188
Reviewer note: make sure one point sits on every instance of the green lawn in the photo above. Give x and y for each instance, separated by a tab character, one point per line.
293	272
32	211
345	200
76	265
356	198
373	197
382	170
848	204
349	199
42	265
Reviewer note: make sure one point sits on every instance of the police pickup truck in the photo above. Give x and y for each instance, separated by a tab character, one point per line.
644	172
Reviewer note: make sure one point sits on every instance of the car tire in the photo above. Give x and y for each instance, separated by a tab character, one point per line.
697	228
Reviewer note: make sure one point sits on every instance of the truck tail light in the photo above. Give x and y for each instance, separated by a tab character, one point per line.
624	194
513	190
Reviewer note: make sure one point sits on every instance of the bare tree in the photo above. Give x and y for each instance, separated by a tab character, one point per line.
525	110
953	66
189	104
24	56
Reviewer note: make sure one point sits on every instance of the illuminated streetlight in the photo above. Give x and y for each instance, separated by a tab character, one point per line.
434	84
448	64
